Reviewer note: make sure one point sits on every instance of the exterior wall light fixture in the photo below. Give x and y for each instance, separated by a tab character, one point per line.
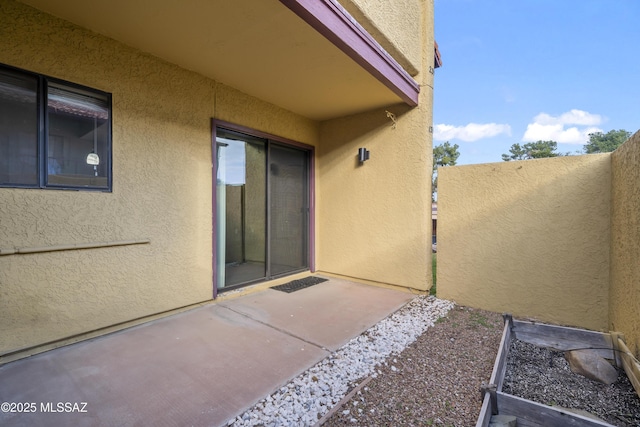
363	155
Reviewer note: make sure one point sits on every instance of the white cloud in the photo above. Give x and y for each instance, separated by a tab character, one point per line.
549	128
470	132
573	117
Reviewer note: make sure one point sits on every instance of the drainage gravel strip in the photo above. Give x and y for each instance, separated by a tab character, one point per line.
313	393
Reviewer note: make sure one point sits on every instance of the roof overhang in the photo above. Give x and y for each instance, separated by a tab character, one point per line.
307	56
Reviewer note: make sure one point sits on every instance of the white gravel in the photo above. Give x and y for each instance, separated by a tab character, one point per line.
313	393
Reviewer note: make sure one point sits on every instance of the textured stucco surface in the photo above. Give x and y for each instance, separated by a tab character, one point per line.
394	25
373	221
625	242
161	188
528	237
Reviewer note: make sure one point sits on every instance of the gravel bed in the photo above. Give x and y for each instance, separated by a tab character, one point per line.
312	394
543	375
435	381
423	366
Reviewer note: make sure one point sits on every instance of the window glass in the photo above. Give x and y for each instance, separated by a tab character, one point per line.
53	134
18	129
78	137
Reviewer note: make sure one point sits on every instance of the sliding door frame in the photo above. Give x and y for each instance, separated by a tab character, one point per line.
215	124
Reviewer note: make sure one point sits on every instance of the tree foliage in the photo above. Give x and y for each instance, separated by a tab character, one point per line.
532	150
443	155
606	142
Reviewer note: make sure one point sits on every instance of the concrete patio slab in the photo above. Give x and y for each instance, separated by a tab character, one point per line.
200	367
328	314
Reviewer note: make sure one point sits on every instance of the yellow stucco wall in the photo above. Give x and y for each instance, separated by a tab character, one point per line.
371	221
624	293
242	109
161	188
394	25
374	219
528	237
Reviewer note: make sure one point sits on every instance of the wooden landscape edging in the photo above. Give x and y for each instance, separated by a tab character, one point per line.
533	414
563	338
630	364
489	391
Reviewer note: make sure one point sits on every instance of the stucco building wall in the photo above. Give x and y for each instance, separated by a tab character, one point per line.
625	242
373	219
528	237
161	188
370	219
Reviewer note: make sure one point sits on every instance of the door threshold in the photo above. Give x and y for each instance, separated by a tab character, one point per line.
225	294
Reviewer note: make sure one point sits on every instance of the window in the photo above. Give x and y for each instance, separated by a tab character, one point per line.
53	134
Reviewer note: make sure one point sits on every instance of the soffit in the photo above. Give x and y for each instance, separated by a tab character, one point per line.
259	47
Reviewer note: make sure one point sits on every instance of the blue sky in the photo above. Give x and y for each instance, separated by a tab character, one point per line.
516	71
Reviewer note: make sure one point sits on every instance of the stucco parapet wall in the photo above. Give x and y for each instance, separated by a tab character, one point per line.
528	237
394	26
335	23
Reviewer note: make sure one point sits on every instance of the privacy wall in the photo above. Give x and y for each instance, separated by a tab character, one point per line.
528	237
624	303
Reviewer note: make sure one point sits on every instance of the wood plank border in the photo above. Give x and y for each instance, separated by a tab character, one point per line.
533	414
485	412
489	403
500	368
630	365
563	338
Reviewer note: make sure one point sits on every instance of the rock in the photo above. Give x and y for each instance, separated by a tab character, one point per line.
503	421
592	366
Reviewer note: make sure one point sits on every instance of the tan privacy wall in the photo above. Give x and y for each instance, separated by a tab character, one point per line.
625	242
161	188
528	237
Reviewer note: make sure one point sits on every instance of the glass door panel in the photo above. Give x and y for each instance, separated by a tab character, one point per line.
288	210
241	206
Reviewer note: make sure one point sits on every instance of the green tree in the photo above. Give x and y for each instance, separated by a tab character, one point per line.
606	142
532	150
443	155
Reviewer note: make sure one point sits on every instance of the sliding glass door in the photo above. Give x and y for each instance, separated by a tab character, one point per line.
262	208
288	210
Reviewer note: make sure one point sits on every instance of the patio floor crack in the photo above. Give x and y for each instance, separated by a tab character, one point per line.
321	347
